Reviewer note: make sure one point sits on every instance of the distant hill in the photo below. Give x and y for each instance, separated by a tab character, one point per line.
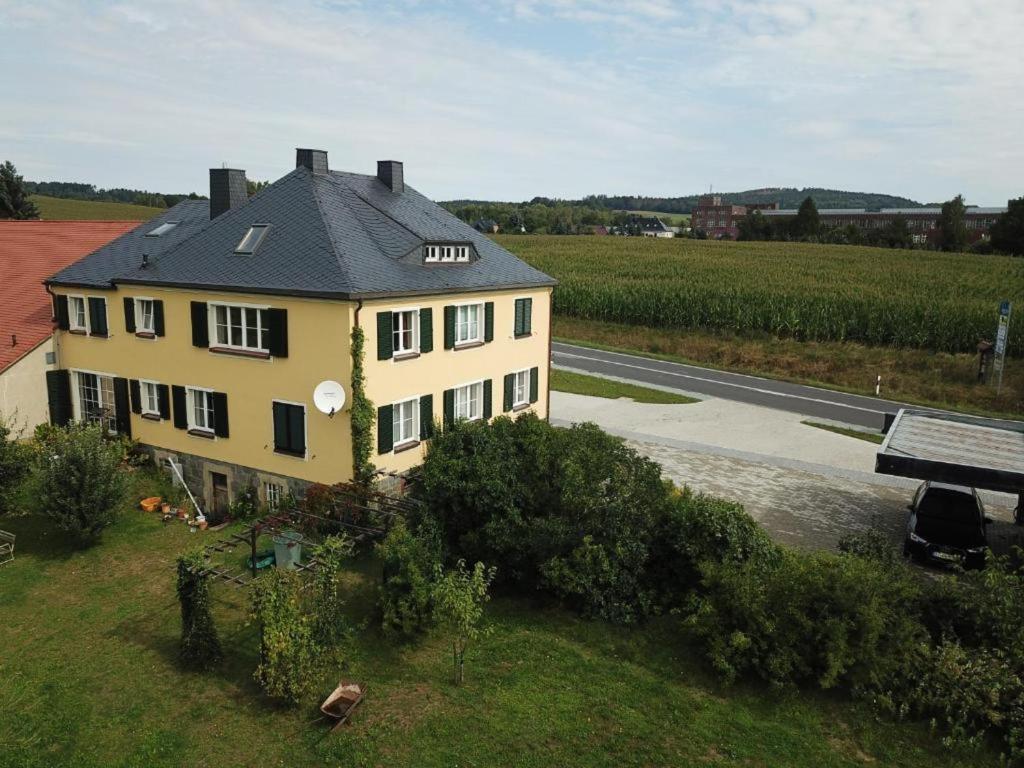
73	190
55	208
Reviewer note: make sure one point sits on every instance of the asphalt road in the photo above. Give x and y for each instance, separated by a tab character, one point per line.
814	402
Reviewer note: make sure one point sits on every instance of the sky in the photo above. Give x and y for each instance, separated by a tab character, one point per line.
510	99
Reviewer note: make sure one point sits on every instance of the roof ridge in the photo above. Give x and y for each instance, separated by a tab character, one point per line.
383	213
342	265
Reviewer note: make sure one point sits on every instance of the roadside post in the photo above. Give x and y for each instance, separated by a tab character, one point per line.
1002	333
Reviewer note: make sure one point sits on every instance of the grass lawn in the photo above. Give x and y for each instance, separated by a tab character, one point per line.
59	208
938	379
595	386
88	677
871	437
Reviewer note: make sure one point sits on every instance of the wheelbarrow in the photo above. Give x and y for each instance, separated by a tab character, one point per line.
342	701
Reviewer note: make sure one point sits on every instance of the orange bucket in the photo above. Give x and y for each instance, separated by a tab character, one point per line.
151	504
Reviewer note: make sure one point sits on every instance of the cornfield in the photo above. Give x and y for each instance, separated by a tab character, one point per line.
922	299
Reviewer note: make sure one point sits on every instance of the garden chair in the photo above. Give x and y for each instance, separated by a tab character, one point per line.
6	547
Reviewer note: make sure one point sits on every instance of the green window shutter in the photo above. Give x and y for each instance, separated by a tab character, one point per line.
488	397
489	321
122	414
135	390
180	407
449	408
280	426
277	332
527	317
163	396
158	317
58	390
517	329
220	414
385	429
129	314
426	417
385	348
60	312
449	327
297	429
97	316
534	375
426	330
200	325
510	383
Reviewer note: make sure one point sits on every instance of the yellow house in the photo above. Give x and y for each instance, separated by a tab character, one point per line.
219	335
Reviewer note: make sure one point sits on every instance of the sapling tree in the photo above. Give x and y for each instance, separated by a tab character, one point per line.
200	645
288	647
329	622
459	598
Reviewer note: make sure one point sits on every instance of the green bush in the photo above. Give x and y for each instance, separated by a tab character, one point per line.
15	458
808	618
200	646
288	650
328	591
78	478
409	559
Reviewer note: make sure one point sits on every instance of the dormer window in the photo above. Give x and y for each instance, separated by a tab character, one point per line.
445	253
163	229
252	239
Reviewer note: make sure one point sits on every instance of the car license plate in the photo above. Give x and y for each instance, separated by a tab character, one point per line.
944	556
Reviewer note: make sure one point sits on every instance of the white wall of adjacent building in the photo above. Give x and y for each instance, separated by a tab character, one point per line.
23	401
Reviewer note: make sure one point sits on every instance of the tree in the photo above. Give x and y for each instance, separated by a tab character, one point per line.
952	226
756	226
252	186
78	479
1008	231
14	202
200	645
897	234
459	597
807	224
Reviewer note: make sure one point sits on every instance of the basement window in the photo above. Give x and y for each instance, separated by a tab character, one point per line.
163	229
252	238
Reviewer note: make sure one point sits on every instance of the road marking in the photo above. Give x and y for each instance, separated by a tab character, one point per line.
760	390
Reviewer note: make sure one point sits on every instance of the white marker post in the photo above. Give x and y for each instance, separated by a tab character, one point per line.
1000	352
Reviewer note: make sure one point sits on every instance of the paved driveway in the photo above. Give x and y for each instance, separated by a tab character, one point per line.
808	487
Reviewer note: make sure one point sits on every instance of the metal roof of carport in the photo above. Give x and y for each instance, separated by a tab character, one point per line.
950	448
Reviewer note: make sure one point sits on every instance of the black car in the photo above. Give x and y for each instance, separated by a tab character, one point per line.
947	525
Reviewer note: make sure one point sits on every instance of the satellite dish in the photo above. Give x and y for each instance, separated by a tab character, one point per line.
329	397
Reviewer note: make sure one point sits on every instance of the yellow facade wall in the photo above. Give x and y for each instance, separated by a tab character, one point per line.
23	402
319	333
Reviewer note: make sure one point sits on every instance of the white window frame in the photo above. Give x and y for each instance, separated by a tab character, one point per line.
395	350
76	397
462	253
467	399
431	253
397	441
144	399
305	429
140	327
446	253
479	323
274	496
190	409
211	318
516	402
73	323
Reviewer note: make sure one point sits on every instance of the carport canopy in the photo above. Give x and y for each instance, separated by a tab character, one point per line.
954	448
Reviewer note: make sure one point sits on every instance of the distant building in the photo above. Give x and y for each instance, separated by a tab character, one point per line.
600	229
647	226
487	226
721	220
923	223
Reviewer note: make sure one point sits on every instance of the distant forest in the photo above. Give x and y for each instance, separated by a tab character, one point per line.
75	191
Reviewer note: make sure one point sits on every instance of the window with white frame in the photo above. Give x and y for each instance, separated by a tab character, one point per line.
273	492
96	400
77	320
405	330
462	253
241	327
150	396
468	325
469	401
144	316
200	409
446	253
405	421
521	388
431	253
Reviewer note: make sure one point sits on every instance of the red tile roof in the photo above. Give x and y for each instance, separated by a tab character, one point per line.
31	251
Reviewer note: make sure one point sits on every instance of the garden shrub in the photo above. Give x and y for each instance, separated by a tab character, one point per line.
14	465
409	558
288	650
328	598
78	479
200	646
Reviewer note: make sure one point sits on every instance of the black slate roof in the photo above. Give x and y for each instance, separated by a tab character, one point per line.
337	235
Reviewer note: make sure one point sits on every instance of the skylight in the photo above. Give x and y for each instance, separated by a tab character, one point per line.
163	229
252	238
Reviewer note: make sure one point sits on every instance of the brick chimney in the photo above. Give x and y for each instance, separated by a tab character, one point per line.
314	159
228	189
390	172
